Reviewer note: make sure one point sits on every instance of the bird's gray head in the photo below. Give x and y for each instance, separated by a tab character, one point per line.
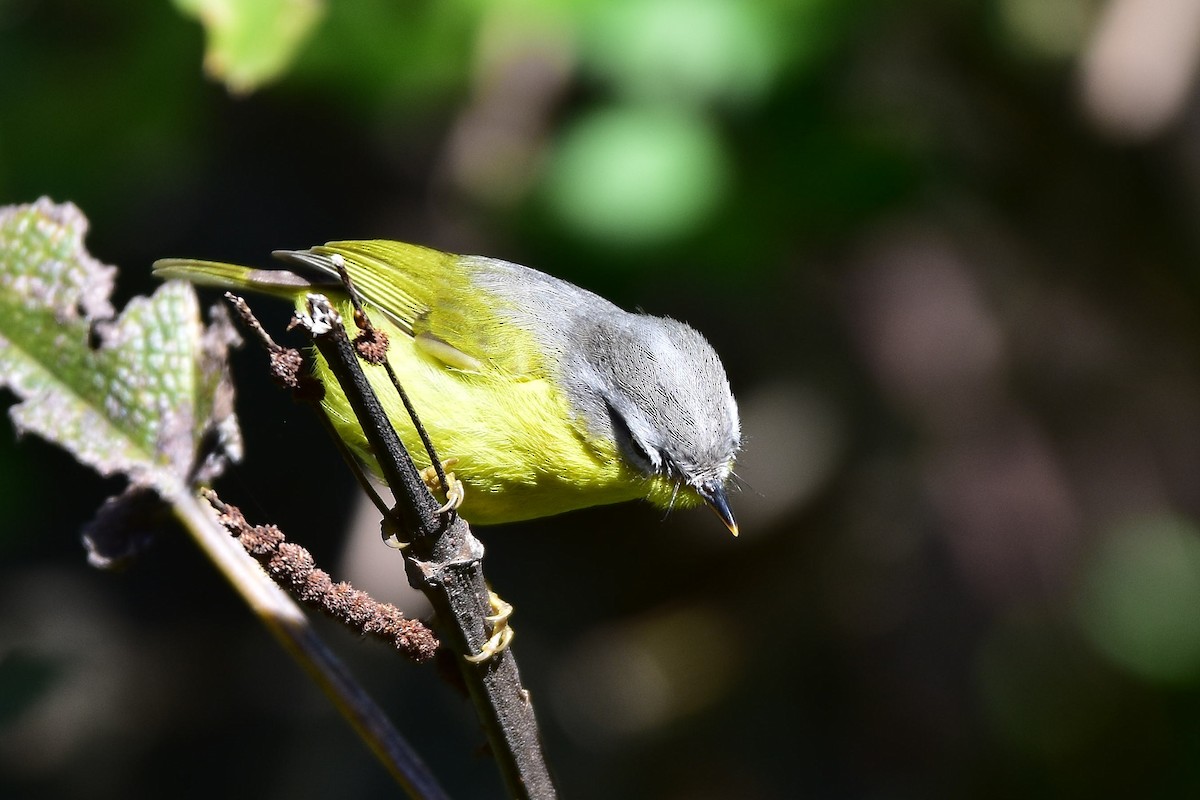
652	385
661	387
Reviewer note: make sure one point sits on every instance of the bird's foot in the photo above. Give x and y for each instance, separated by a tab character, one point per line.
502	634
455	492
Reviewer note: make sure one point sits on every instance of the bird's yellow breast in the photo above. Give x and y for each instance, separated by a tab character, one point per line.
521	452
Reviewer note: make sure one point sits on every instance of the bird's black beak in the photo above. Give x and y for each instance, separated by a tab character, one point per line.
713	493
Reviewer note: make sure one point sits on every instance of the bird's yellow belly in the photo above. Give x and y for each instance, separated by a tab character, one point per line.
520	454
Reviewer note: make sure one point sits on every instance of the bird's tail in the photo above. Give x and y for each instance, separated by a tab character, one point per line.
279	282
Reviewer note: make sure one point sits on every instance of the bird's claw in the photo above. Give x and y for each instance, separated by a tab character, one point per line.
502	634
455	491
391	535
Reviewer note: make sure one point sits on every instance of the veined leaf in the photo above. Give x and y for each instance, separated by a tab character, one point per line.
145	394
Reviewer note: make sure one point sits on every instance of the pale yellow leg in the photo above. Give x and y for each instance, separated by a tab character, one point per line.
455	492
502	634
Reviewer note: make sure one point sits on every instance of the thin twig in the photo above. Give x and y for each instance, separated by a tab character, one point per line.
286	364
376	353
291	566
353	464
444	562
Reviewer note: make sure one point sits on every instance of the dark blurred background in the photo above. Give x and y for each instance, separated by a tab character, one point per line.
948	251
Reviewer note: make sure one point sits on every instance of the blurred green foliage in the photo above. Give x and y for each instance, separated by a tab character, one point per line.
1140	596
634	174
251	42
950	242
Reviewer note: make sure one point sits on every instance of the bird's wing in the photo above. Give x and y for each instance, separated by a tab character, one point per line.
435	298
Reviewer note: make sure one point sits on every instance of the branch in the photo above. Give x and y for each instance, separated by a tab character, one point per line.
292	567
444	562
290	627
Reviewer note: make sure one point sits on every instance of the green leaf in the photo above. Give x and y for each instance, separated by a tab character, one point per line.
252	42
136	395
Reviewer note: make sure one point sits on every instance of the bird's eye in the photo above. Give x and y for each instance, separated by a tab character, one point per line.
628	442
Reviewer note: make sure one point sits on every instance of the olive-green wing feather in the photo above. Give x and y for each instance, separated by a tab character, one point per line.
429	295
436	298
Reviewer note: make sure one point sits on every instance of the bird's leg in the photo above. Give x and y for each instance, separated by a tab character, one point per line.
455	491
502	634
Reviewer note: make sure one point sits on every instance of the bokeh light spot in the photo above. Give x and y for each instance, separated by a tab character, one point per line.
698	49
1141	596
637	175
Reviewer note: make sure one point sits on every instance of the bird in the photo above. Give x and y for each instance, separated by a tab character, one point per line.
547	397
